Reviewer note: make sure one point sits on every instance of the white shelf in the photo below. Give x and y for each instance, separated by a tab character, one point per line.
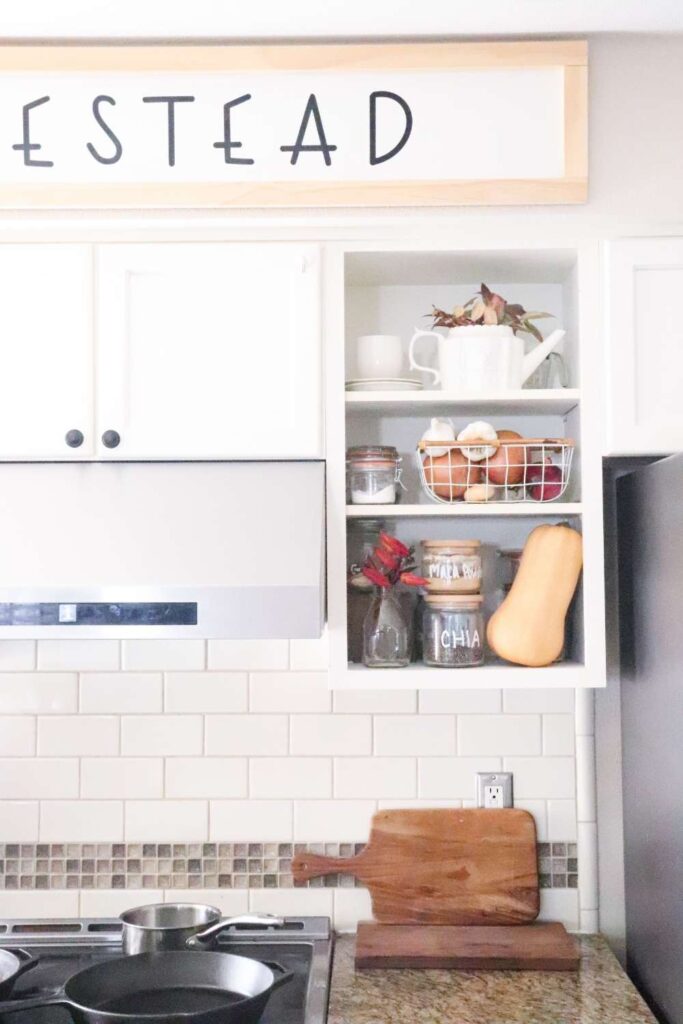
525	402
464	508
489	677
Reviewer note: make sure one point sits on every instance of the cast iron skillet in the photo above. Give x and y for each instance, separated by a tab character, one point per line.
13	963
166	988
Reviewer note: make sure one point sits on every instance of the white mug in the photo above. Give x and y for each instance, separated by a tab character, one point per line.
379	355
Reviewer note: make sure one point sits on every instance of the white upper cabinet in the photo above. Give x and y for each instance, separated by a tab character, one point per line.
46	358
208	351
644	371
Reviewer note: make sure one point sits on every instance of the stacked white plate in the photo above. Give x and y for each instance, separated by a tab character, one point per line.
384	384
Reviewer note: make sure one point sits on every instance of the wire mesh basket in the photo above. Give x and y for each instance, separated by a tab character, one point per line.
507	469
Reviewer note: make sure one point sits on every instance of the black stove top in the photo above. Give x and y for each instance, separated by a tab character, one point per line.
303	946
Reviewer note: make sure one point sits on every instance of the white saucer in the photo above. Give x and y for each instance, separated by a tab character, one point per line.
384	384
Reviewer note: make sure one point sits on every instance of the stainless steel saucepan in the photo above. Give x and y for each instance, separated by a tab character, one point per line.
160	927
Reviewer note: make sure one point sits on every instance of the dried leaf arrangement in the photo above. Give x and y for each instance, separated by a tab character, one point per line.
486	307
391	563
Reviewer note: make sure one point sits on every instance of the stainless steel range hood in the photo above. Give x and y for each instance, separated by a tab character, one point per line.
216	549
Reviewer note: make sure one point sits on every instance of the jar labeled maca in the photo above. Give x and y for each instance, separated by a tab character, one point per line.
372	473
452	631
452	566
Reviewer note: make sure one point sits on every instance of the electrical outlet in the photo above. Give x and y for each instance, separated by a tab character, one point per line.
494	789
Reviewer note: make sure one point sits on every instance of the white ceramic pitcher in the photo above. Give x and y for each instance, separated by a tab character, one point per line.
482	358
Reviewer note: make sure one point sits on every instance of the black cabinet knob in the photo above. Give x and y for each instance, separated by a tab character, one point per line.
74	438
111	439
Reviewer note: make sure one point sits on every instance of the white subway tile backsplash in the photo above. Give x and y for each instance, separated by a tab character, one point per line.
209	692
538	701
76	735
460	702
350	907
499	734
375	702
112	902
119	693
292	902
38	693
17	655
332	820
19	821
560	905
166	820
35	778
247	734
163	654
122	778
161	734
246	655
539	811
230	902
374	777
258	821
289	692
17	736
558	734
452	777
78	655
309	655
38	903
562	820
207	777
291	777
331	734
414	734
80	821
541	777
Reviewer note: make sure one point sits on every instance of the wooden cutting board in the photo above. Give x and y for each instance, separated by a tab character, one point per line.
529	947
457	867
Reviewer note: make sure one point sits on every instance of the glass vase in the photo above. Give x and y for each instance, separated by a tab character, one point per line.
387	633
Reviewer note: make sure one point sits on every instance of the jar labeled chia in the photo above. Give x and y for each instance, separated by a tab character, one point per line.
372	473
452	631
452	566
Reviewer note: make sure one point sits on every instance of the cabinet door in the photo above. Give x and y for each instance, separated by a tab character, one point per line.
209	350
645	346
46	350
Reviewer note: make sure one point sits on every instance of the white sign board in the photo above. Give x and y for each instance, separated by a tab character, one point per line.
379	130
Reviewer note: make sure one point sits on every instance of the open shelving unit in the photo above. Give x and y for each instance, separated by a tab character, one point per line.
388	291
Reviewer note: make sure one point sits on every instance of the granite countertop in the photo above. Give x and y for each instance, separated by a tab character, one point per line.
599	993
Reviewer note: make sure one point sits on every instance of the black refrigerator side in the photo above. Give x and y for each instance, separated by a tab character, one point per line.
650	528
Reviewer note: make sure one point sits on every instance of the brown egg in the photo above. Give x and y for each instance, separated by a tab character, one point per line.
508	465
451	474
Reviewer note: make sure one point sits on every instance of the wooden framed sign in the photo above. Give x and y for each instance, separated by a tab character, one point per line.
413	124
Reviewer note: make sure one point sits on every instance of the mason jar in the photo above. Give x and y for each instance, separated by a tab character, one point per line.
372	473
453	631
452	566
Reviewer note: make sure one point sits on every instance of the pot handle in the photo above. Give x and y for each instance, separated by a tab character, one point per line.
256	920
280	974
27	962
414	365
37	1003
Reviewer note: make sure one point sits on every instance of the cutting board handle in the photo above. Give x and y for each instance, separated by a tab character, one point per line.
313	865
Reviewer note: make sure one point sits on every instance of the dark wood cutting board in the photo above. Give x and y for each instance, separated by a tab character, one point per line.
443	866
529	947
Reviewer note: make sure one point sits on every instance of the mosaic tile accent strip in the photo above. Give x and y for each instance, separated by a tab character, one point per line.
205	865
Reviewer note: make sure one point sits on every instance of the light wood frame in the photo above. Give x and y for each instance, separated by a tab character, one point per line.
571	55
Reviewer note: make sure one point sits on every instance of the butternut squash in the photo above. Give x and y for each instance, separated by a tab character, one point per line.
528	627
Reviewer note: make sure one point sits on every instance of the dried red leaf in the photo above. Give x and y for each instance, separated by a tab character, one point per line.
394	545
387	559
411	580
375	576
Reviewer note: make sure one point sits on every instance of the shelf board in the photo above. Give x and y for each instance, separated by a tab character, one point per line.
463	508
565	674
530	401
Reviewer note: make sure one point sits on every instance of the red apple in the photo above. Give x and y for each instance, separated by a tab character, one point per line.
544	482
